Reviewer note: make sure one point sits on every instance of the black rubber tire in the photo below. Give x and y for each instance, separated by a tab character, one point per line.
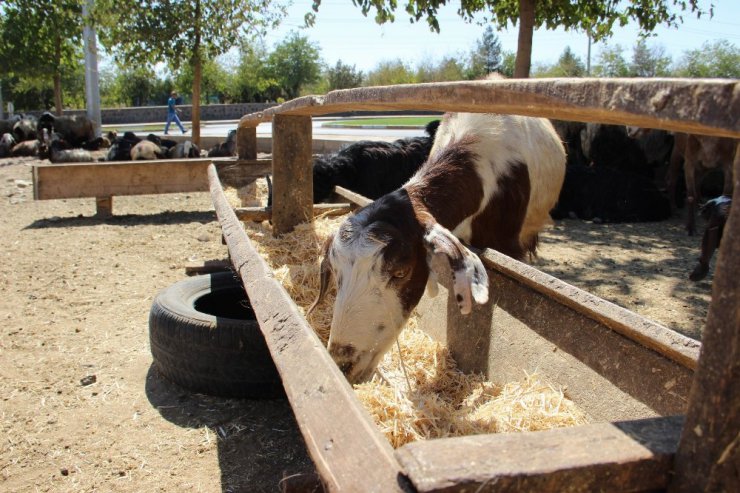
204	337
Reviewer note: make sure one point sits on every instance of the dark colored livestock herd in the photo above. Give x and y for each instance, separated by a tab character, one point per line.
614	173
68	139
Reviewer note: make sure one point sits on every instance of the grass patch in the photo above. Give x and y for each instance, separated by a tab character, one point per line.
136	128
401	121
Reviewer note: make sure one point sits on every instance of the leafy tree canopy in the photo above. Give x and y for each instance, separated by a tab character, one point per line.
714	59
649	61
172	30
597	17
390	72
343	76
41	39
568	65
295	62
486	57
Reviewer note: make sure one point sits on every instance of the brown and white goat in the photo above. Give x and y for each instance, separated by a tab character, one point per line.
490	181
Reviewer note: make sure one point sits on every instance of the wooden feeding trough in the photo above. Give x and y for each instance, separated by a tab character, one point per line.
664	415
106	179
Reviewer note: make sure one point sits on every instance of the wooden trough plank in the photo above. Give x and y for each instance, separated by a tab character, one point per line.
353	197
621	456
106	179
700	106
679	348
259	214
349	451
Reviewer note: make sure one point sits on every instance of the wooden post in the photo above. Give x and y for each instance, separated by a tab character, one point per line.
292	177
246	142
708	458
103	207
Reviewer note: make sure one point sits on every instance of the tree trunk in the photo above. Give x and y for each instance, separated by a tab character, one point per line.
524	45
195	114
58	94
196	100
58	78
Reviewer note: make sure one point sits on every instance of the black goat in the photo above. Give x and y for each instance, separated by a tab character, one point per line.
7	142
715	212
609	195
610	146
76	130
372	168
120	149
225	149
25	128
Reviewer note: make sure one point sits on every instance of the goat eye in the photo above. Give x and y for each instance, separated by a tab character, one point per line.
400	273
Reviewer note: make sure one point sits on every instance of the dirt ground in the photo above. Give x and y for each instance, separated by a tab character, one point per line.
82	407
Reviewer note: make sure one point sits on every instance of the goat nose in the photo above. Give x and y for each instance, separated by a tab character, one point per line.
342	351
346	367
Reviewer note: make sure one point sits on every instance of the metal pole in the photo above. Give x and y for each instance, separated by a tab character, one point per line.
92	82
588	57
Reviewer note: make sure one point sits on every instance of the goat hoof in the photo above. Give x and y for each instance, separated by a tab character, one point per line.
699	273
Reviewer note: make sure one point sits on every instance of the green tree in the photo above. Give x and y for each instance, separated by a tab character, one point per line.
714	59
610	62
136	85
389	73
343	76
447	69
252	82
181	32
41	39
649	61
213	83
486	57
294	62
508	63
568	65
597	17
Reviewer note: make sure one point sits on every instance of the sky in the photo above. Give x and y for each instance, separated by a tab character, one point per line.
342	32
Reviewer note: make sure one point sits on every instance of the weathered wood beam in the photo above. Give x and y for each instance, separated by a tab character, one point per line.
259	214
708	458
292	177
348	450
353	197
700	106
107	179
103	207
246	142
608	457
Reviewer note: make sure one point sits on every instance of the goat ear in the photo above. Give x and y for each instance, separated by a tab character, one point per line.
325	274
470	280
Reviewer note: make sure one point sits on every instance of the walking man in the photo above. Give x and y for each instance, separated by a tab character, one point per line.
172	112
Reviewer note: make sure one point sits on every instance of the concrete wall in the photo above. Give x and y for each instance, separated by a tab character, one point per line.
211	112
149	114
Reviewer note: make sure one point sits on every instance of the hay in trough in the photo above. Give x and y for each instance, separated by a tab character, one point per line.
437	400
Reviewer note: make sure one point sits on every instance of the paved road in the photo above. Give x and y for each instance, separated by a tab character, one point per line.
220	129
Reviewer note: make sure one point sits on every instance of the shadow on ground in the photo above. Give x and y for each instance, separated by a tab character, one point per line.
625	261
164	217
259	443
